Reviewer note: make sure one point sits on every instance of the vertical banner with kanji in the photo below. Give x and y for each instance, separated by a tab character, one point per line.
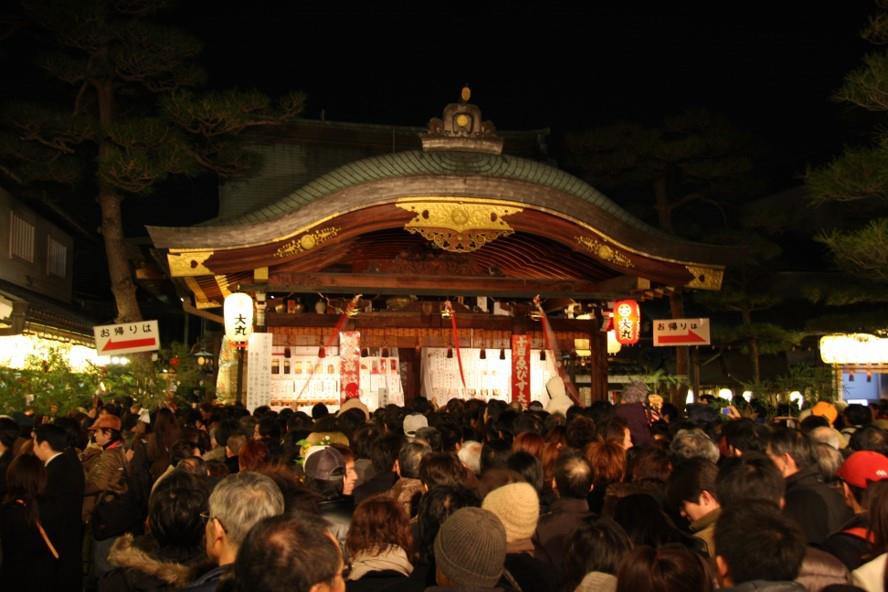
350	365
259	370
521	369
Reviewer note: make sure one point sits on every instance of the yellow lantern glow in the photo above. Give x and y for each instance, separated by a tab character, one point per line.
613	345
238	317
582	347
855	348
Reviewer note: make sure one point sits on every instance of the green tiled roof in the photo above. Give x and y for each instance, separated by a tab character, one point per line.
417	163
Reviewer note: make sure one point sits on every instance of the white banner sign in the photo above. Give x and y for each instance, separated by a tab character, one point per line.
259	369
126	338
681	332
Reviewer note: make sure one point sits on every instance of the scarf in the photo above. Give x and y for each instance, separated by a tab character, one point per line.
391	559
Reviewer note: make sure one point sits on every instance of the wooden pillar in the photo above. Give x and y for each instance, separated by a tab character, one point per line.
598	368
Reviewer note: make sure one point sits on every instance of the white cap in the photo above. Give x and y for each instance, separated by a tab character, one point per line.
413	422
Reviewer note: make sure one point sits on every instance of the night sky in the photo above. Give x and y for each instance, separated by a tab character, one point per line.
771	67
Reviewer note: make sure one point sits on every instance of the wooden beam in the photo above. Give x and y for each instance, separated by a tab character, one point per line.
444	285
188	308
417	320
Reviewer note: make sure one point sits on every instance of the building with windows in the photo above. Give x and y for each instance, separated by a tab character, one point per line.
36	278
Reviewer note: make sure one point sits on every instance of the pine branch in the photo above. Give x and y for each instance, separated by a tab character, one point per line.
859	173
10	174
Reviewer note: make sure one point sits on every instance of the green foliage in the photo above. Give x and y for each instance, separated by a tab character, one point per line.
215	120
815	382
862	319
865	86
862	250
700	156
119	59
229	112
770	338
47	380
861	172
142	152
658	381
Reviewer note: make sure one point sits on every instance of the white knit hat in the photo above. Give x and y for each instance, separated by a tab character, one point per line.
518	508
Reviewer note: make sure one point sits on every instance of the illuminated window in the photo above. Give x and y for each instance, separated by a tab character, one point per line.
21	238
56	258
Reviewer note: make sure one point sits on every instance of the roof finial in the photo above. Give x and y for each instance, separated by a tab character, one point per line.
465	94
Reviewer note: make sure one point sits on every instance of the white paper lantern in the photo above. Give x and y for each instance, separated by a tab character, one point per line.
613	345
238	316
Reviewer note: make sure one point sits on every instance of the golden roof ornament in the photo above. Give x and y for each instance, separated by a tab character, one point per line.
461	129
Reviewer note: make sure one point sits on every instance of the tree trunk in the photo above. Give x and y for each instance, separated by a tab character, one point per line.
753	349
119	269
696	370
676	307
676	302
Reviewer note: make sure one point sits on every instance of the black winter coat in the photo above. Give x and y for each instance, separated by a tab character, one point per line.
140	566
554	529
60	509
28	564
817	508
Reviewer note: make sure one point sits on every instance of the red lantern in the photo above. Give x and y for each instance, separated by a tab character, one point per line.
627	321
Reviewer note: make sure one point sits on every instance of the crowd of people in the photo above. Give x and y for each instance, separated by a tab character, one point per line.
476	496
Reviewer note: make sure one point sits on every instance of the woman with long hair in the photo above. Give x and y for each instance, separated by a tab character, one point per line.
608	461
29	556
159	443
254	456
378	544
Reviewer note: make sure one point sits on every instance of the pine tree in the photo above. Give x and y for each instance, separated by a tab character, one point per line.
129	116
859	176
696	159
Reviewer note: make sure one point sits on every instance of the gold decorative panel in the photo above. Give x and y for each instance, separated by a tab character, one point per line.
705	278
307	241
189	263
459	227
604	251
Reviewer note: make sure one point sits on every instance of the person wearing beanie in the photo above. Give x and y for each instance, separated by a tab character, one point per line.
470	549
518	508
826	410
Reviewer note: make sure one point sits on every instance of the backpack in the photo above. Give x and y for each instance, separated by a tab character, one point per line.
117	513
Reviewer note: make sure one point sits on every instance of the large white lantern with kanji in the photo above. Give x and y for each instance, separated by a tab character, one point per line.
238	317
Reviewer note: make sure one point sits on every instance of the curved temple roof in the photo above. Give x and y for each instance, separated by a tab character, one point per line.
460	192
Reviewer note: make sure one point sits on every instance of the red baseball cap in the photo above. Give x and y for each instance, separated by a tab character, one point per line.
863	467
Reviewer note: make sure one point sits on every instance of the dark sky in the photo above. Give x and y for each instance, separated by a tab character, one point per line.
771	66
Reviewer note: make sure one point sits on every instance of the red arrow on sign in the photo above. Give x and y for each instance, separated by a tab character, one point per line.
115	345
690	337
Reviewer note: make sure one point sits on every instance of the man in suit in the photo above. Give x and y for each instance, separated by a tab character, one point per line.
60	505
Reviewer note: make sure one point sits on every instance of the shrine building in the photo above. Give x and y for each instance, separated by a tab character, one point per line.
463	219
